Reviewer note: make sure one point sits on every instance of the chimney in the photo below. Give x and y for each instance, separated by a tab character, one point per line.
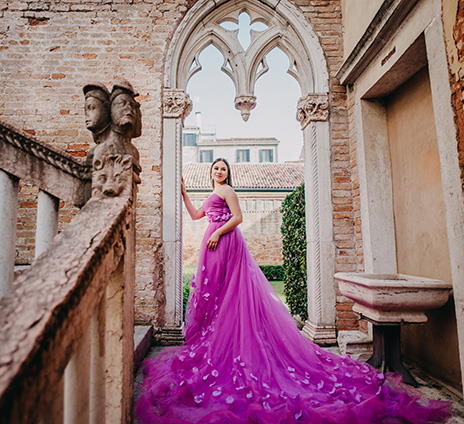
198	119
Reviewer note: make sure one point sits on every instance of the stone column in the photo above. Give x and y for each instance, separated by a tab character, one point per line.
313	113
97	366
176	106
8	213
76	384
47	221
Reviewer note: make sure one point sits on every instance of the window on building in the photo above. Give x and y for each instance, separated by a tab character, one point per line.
243	155
189	139
206	155
266	155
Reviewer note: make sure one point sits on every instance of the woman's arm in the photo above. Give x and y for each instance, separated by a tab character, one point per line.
192	210
232	201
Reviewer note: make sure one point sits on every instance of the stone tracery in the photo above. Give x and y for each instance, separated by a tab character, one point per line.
245	65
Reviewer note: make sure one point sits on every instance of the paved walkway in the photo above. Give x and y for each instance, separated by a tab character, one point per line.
428	386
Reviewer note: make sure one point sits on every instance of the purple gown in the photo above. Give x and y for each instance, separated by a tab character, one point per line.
244	360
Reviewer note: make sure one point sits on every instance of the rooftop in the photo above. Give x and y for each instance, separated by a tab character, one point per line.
270	176
238	141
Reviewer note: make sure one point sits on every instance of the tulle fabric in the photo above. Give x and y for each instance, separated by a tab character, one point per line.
244	360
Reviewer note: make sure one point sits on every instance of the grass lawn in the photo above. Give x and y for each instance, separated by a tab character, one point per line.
279	288
191	269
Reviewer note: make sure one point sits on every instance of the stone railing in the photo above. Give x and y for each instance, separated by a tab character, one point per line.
67	321
58	176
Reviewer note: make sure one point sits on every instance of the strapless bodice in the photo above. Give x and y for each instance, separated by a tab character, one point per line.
216	209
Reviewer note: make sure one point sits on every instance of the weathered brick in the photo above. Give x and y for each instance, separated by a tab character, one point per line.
58	43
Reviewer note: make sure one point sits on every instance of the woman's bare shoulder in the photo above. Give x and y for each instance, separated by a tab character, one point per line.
227	190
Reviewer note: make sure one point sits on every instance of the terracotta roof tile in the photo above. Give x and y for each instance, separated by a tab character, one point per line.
248	176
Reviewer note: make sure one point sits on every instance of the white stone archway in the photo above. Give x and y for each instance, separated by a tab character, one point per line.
287	29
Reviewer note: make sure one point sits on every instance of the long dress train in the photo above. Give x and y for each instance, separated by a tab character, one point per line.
244	360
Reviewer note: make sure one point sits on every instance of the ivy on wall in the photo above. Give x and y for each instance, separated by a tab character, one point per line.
293	230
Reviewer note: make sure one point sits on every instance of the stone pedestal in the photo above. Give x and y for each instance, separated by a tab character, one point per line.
387	351
388	301
323	335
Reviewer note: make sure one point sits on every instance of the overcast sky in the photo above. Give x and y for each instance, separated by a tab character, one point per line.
213	94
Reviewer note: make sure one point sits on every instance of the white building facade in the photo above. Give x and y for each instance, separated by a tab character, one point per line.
200	145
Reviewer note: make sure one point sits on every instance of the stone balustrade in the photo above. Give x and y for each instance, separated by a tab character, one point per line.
57	175
67	321
44	166
66	338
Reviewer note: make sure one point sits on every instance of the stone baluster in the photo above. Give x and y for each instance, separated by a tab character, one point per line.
47	221
8	213
97	366
76	384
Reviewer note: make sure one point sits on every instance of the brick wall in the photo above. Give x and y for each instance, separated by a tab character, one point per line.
455	50
50	49
260	230
354	207
325	17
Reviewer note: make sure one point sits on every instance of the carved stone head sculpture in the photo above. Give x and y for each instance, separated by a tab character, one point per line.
114	120
125	110
97	109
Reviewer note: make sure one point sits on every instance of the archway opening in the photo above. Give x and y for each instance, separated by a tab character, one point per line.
287	29
269	142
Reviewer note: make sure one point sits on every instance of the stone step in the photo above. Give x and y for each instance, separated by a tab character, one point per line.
143	340
169	336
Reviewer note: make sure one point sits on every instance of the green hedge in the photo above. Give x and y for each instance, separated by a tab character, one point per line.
273	272
186	291
294	252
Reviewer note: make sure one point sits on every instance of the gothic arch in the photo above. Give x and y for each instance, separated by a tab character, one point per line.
292	33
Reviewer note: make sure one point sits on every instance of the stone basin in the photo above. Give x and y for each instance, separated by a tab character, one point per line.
393	298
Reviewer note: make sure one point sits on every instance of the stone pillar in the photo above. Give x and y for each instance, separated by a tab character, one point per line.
76	384
8	213
47	221
176	106
450	171
119	337
97	366
313	113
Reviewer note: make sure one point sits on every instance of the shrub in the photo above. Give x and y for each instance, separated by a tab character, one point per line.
186	294
188	272
294	252
273	272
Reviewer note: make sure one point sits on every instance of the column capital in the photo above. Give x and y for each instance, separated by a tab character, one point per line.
176	103
312	107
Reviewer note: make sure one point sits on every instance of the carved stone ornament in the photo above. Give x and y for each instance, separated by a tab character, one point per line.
176	104
245	104
245	32
112	176
114	118
313	107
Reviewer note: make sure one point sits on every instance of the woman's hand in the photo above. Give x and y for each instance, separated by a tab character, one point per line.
183	189
213	241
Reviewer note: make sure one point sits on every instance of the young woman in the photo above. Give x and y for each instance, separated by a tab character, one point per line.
244	360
